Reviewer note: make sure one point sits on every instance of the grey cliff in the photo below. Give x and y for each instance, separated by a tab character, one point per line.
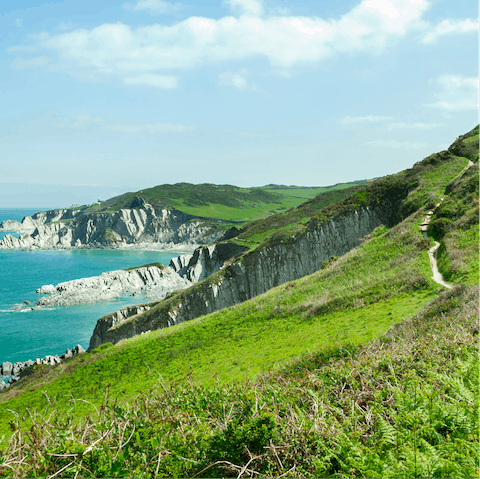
254	274
67	228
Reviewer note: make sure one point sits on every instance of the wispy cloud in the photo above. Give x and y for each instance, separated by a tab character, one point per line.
415	126
456	93
89	122
157	81
450	27
19	22
348	120
237	80
20	64
407	145
150	128
138	55
153	7
246	7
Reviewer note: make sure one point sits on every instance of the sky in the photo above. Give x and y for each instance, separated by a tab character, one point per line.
102	97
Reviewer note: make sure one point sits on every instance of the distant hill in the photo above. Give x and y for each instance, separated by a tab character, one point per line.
223	202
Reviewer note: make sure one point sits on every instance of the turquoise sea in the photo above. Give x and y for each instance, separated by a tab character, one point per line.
33	334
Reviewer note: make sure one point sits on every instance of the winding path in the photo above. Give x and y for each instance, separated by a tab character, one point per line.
432	252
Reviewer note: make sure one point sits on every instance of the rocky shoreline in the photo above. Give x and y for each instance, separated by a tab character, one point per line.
138	227
16	371
154	281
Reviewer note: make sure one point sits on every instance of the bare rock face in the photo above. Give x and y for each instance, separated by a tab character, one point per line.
140	224
156	281
190	268
16	371
254	274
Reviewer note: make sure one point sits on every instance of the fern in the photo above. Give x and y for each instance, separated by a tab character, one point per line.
387	431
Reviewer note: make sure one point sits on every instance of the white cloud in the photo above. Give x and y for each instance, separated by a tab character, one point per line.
151	128
363	119
19	22
158	81
449	27
407	145
457	93
138	56
237	80
153	7
20	64
93	122
415	126
246	7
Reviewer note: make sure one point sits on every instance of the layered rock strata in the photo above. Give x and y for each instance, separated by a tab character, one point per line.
67	228
152	280
156	282
254	274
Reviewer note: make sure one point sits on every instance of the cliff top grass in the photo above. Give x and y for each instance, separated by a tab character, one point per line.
157	265
405	405
221	202
354	300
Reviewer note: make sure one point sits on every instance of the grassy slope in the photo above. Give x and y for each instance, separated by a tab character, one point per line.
405	405
353	300
425	184
223	202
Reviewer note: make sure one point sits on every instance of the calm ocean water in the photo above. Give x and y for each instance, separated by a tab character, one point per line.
33	334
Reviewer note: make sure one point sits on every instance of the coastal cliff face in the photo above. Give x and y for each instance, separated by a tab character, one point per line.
73	229
254	274
152	280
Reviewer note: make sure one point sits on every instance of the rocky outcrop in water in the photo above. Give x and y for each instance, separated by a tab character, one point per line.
254	274
152	280
18	370
69	228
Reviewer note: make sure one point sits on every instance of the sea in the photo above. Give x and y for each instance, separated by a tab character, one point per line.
33	334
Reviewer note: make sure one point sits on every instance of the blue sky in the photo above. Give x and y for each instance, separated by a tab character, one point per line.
99	98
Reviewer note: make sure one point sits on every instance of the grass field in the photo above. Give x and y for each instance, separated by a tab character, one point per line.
222	202
354	300
367	368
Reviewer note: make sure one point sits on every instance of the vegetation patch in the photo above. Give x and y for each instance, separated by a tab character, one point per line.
406	405
156	265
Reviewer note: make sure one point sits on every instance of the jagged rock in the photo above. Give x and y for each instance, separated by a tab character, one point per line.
26	303
255	274
66	354
142	224
78	349
46	289
6	368
3	385
112	284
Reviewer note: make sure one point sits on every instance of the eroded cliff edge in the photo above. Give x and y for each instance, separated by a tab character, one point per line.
255	273
155	280
143	224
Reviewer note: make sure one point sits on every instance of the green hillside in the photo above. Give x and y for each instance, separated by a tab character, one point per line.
223	202
367	368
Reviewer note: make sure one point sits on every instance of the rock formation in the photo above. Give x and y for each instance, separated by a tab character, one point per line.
156	282
18	370
70	228
254	274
